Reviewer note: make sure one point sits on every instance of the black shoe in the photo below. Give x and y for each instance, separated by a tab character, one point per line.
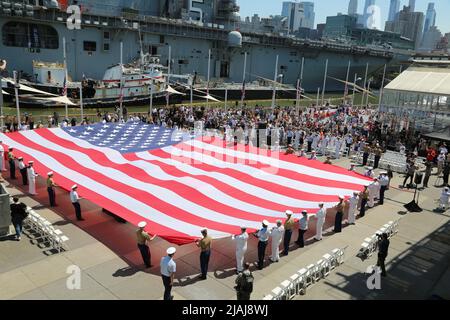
171	297
81	219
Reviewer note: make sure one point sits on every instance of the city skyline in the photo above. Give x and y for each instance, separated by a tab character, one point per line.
324	8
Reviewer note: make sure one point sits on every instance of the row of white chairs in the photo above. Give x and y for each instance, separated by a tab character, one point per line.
46	232
370	244
305	277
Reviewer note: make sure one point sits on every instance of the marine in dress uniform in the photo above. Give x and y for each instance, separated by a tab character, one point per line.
23	171
364	198
288	229
12	164
143	238
31	178
277	235
241	248
205	245
51	189
339	215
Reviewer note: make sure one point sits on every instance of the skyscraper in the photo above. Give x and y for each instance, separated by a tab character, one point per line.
353	8
412	5
368	12
430	19
409	24
308	15
394	9
295	14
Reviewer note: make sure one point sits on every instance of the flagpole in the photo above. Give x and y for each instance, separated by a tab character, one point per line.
346	81
365	84
121	83
354	86
207	84
67	79
226	98
275	84
168	76
243	80
299	87
16	91
81	102
382	87
368	91
151	96
2	123
324	81
318	96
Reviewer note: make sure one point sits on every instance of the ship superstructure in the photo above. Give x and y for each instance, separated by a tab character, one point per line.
34	29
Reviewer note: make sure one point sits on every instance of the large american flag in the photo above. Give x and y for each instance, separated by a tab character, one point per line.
180	183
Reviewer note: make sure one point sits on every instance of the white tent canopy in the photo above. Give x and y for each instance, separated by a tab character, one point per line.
423	80
173	91
30	89
208	97
61	99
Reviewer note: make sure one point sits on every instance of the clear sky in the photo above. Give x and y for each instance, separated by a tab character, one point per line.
326	8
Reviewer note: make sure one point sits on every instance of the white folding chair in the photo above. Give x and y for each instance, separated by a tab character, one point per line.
310	276
277	293
294	280
339	254
332	262
288	289
318	274
302	282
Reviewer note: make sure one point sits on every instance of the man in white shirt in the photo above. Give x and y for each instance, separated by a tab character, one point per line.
320	216
75	199
277	235
373	190
263	236
31	174
241	248
168	269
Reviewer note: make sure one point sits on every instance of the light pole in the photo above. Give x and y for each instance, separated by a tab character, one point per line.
168	75
275	89
2	67
16	91
354	88
274	83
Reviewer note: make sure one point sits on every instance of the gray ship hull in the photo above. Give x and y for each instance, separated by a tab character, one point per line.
189	54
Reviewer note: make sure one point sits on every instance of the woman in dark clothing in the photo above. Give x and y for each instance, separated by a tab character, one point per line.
339	215
364	197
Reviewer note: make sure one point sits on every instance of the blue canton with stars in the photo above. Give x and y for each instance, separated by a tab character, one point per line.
128	137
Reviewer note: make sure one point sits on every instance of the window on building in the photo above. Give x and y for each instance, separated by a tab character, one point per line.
106	47
106	35
29	35
90	46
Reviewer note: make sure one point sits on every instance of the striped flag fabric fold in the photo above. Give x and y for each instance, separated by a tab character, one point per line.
180	183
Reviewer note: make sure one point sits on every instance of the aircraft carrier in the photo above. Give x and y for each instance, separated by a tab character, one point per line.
33	30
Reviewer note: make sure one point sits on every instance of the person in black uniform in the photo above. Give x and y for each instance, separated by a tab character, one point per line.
23	171
339	215
446	172
383	247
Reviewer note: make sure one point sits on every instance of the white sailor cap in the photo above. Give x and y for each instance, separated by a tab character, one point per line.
289	212
50	173
383	172
171	250
142	224
369	168
265	222
304	212
74	186
243	228
341	198
20	158
30	162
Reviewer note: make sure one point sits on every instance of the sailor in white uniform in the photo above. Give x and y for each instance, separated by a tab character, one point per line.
320	216
241	248
373	189
31	178
353	205
277	235
2	157
338	146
